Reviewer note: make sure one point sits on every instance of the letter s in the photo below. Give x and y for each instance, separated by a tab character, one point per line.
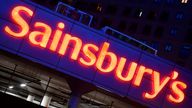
177	88
89	54
15	15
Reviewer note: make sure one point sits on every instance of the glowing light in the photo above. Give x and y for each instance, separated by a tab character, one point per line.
184	1
91	56
140	14
15	15
174	75
40	38
57	36
103	54
130	73
157	85
23	85
11	87
61	25
177	88
142	70
65	44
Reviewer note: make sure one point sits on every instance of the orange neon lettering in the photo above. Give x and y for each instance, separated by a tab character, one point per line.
177	88
44	36
102	56
89	54
41	37
57	36
15	15
142	70
78	43
129	74
157	85
174	75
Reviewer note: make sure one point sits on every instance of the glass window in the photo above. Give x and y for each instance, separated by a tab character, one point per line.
190	22
92	7
82	5
168	47
147	30
111	9
185	51
188	37
99	7
133	28
157	1
151	15
85	19
159	32
155	45
164	16
173	32
127	11
179	16
170	1
181	63
122	25
105	22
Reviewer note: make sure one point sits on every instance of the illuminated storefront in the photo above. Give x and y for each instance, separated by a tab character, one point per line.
43	36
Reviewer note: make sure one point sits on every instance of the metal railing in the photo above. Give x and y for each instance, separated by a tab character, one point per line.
123	37
74	13
86	19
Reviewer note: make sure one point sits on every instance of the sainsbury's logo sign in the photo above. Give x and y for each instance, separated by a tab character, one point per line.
134	73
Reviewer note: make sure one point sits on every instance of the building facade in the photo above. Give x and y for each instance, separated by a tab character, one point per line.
163	24
52	56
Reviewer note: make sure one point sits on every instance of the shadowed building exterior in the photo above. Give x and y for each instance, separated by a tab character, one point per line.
166	25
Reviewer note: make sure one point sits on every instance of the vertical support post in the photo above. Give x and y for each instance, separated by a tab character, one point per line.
78	88
74	100
46	98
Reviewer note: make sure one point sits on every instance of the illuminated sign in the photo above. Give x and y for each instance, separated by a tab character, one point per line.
41	37
184	1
